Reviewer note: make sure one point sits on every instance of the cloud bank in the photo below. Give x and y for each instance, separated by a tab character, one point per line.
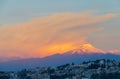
48	35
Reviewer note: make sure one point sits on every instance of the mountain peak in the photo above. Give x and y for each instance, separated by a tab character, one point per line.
86	48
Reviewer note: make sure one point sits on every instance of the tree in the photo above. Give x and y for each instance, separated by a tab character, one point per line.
4	77
73	63
119	65
94	66
22	74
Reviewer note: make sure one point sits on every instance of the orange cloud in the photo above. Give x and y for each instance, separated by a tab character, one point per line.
51	34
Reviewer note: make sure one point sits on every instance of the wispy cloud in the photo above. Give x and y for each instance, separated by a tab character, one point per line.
48	35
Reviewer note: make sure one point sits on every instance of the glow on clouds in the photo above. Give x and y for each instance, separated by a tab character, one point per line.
48	35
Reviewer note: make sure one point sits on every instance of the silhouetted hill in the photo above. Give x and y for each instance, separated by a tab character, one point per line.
55	60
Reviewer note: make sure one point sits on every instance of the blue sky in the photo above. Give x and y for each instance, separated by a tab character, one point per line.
13	11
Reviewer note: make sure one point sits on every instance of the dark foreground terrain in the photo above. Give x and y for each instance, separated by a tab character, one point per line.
99	69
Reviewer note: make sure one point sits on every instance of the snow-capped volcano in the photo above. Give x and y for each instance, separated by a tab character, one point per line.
86	52
86	48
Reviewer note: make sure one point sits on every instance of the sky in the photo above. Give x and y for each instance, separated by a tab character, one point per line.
39	28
